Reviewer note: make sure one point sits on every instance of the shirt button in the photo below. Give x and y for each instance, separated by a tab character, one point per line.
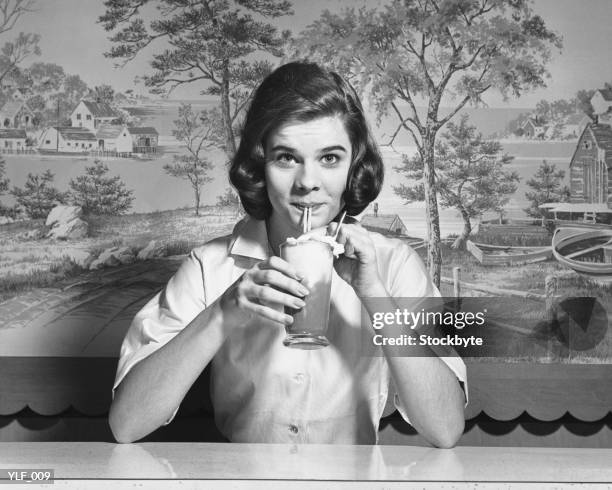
293	428
299	378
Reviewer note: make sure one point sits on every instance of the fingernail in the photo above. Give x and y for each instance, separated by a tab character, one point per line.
303	291
299	303
288	320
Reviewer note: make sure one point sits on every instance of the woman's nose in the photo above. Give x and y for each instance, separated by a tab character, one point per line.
308	177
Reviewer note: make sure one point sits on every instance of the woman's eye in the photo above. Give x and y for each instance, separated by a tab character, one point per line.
285	158
330	159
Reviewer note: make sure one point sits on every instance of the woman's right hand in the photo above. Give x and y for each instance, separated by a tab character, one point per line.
270	282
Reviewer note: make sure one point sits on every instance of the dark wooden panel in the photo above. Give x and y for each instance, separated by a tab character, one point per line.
545	391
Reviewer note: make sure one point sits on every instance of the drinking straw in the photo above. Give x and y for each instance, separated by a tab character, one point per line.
339	223
304	220
309	219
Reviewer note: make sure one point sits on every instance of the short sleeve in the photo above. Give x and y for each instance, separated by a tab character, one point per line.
408	277
163	317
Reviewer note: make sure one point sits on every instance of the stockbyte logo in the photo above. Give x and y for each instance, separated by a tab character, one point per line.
495	327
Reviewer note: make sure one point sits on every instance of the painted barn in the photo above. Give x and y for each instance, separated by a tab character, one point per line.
602	100
67	139
387	224
89	114
16	114
12	139
591	167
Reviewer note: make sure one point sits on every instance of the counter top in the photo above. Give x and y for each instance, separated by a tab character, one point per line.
250	462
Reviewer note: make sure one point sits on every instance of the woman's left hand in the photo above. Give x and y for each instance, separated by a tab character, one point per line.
358	265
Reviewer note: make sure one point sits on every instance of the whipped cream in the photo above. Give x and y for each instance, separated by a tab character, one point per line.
337	248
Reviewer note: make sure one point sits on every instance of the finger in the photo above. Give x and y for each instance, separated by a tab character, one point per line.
280	281
331	228
266	294
276	263
271	314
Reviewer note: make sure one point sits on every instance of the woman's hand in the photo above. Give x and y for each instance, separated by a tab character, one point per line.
269	283
358	265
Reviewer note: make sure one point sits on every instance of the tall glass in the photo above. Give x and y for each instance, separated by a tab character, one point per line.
314	261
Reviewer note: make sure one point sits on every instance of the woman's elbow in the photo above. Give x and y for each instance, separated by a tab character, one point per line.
448	438
119	430
120	426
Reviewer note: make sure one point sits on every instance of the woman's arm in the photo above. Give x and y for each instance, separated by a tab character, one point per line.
153	389
155	386
428	389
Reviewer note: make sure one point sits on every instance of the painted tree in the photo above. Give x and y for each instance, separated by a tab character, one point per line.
54	93
207	41
24	45
103	93
98	193
470	175
38	196
230	200
547	186
200	133
583	102
437	53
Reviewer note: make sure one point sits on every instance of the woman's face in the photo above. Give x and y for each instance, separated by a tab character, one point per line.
307	164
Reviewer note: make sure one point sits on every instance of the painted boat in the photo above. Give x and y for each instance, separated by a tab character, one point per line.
507	255
586	251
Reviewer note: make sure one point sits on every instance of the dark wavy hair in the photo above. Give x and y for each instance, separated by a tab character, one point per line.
301	92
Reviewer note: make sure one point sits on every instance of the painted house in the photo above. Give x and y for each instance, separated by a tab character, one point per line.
124	139
387	224
602	100
533	128
89	114
16	114
107	136
591	167
67	139
144	139
12	139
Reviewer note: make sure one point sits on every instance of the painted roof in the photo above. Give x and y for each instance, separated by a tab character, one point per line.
382	221
12	133
606	93
534	122
72	133
100	109
108	131
603	136
142	130
12	107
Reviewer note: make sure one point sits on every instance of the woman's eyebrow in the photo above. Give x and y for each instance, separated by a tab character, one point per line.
284	148
333	148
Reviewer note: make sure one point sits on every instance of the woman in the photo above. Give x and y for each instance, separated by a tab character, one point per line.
305	143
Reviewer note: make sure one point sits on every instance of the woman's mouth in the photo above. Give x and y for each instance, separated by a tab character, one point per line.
301	206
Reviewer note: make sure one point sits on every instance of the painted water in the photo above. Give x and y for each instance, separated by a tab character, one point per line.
155	190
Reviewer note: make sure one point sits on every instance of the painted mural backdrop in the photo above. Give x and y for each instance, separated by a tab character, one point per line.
116	130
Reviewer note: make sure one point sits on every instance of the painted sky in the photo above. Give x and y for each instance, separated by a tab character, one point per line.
72	38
